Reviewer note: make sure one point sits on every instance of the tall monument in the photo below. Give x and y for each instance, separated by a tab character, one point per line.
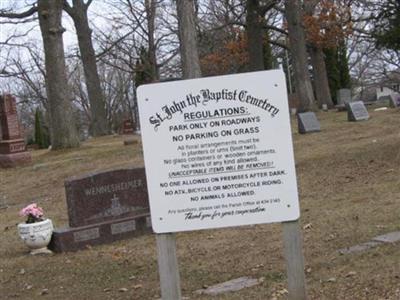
12	146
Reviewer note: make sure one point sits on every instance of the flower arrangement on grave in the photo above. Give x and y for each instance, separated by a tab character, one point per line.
37	230
33	213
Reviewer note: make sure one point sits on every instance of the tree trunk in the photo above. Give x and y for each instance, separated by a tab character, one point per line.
98	115
62	127
267	56
187	38
299	55
321	84
333	72
150	15
343	65
255	36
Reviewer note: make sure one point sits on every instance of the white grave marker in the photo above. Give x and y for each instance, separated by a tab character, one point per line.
218	152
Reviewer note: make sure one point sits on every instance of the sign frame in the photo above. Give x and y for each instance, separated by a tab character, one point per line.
234	128
292	239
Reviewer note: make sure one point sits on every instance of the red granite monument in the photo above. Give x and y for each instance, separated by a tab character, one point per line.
127	127
12	146
103	207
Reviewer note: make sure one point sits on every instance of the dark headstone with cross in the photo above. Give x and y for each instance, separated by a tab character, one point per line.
103	207
356	111
13	150
308	122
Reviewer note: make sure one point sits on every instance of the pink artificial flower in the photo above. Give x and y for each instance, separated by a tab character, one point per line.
33	210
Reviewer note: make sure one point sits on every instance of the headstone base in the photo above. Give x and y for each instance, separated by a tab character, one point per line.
131	141
12	146
341	107
76	238
15	159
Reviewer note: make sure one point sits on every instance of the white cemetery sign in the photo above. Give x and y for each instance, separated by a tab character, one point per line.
218	152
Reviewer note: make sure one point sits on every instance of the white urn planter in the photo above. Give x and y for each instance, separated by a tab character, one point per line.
36	235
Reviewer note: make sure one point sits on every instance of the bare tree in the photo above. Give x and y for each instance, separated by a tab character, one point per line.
150	6
299	55
79	14
321	83
369	64
62	128
187	37
255	29
32	76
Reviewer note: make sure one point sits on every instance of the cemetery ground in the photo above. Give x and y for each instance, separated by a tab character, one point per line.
349	186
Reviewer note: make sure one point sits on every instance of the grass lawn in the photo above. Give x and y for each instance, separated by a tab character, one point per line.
349	186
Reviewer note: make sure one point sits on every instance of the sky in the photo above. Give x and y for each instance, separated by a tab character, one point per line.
31	34
70	41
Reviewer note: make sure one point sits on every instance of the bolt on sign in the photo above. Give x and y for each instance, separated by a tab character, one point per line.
218	152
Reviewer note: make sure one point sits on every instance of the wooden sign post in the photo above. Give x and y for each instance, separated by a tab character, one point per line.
168	267
292	241
218	153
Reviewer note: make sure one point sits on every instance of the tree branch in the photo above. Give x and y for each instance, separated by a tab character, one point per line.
265	8
22	15
88	3
279	44
69	9
114	43
274	28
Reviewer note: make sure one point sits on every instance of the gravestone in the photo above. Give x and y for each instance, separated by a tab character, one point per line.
13	150
103	207
356	111
394	100
308	122
127	127
343	96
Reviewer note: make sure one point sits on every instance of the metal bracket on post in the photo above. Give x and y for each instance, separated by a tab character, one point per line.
292	240
168	267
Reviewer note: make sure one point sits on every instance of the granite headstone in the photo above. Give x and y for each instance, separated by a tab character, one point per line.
343	96
103	207
308	122
356	111
104	196
394	100
13	150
